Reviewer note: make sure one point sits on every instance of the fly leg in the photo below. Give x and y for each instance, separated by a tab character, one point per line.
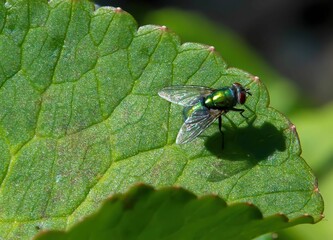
240	112
222	134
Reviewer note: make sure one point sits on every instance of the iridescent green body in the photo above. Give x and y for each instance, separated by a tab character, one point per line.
222	99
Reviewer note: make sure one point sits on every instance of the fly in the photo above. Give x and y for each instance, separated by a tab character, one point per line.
203	105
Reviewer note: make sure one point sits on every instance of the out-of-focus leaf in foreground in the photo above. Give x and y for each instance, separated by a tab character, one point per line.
80	120
172	214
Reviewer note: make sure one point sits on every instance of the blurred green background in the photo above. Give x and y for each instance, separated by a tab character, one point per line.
289	45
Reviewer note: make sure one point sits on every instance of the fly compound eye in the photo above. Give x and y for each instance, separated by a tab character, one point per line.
240	93
241	97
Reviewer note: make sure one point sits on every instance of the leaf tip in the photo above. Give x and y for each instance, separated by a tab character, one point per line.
292	127
256	79
316	189
249	204
118	10
163	28
211	48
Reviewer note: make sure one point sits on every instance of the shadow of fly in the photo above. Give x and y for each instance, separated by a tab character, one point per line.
203	105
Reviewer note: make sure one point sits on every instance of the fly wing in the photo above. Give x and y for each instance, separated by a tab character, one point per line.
196	124
185	95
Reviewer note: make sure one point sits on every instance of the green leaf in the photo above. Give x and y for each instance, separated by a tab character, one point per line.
172	213
80	120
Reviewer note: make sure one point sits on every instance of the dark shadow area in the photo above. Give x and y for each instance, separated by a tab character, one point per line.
243	148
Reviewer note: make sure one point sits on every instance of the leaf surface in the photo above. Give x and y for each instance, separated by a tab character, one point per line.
80	120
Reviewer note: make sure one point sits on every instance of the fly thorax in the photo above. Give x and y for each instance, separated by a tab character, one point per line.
221	99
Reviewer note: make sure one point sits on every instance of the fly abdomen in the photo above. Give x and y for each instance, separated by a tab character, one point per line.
189	110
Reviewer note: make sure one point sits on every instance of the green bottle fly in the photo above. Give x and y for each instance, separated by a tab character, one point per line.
203	105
